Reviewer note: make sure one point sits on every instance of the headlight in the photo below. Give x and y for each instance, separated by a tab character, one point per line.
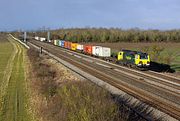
148	63
140	63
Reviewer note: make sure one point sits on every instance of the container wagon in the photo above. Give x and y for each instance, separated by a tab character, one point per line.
59	43
103	52
42	39
36	38
65	44
55	42
69	45
62	43
73	46
87	49
79	47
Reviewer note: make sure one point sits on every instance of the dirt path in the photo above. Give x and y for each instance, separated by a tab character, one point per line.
14	106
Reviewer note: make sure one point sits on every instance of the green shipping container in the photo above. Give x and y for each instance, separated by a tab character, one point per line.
57	42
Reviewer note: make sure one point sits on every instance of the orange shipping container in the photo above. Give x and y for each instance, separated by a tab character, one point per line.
88	49
65	44
69	45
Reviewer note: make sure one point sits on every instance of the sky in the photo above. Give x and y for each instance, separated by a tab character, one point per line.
54	14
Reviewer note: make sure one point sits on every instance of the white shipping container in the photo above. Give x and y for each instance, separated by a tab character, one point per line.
55	42
42	39
36	38
79	47
101	51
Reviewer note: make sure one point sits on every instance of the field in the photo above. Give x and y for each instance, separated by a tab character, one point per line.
13	89
167	53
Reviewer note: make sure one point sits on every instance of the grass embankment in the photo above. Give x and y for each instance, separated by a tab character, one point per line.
59	95
13	83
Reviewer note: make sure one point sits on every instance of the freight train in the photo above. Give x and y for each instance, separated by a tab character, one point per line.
133	59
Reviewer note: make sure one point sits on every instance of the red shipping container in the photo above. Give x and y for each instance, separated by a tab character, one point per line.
88	49
66	44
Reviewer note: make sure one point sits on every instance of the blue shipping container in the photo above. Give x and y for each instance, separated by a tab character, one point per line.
62	43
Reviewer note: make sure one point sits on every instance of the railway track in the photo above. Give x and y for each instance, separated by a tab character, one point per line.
159	91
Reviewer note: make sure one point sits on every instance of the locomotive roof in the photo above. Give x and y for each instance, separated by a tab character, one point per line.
133	52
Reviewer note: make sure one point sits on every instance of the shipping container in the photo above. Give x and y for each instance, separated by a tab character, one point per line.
87	49
73	46
79	47
101	51
65	44
59	43
62	43
42	39
36	38
55	42
69	45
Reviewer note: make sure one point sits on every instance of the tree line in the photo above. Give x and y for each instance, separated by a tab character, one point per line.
112	35
116	35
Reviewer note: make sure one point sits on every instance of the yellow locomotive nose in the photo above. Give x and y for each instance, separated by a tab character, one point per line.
142	61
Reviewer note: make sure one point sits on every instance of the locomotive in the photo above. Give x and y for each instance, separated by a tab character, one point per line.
134	59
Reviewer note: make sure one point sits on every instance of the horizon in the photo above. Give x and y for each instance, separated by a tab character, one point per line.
27	15
71	28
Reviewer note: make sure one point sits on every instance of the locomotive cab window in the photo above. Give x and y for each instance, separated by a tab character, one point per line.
136	56
143	56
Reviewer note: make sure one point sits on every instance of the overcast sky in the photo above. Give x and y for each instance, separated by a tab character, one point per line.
144	14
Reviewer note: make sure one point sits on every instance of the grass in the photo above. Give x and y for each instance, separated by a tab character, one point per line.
14	99
176	67
6	50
